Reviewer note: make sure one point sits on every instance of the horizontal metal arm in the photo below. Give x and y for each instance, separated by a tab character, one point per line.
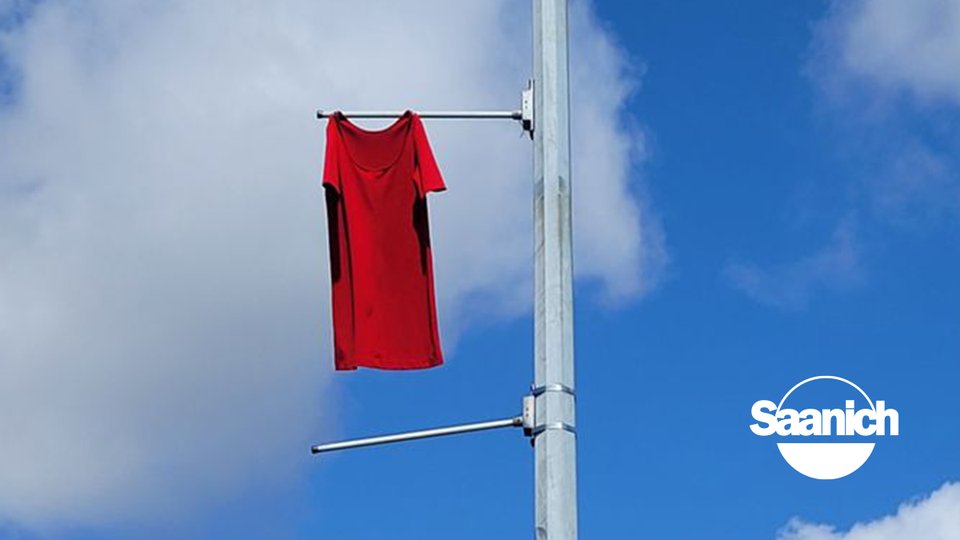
423	434
509	115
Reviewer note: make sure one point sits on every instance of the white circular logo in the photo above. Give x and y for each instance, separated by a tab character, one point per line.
825	460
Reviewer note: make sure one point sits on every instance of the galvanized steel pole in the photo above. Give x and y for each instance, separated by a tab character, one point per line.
555	422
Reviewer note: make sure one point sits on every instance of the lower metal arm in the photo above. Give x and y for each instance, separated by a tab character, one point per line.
423	434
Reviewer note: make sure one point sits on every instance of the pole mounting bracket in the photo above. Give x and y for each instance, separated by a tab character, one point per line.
526	109
530	427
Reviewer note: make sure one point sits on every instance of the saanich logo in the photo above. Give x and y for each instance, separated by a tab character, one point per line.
847	436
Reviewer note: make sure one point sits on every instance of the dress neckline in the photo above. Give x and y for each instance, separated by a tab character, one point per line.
401	122
342	118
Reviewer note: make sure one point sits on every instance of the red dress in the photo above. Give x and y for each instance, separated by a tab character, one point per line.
384	311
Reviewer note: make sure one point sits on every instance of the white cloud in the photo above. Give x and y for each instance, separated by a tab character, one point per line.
163	295
912	46
606	252
790	285
935	517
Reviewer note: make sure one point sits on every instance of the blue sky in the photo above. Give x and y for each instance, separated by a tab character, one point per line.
806	195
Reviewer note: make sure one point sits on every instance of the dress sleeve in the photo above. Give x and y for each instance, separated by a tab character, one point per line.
331	160
426	173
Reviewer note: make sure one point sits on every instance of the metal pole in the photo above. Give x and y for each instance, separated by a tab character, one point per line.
510	115
555	423
422	434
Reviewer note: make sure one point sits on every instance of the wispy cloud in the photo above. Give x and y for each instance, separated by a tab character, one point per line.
917	185
887	71
163	297
790	285
934	517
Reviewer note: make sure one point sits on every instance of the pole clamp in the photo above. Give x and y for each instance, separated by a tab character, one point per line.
553	387
553	425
